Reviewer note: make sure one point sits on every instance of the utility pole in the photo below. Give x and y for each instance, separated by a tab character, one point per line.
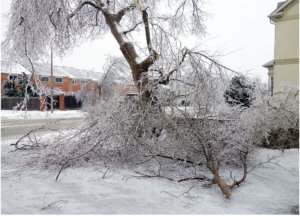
52	81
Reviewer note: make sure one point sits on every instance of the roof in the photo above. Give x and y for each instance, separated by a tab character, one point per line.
13	68
62	71
45	69
280	7
80	73
121	76
269	64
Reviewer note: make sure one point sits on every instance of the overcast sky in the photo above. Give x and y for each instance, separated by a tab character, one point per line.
238	30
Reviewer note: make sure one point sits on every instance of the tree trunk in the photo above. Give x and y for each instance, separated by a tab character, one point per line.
138	69
222	185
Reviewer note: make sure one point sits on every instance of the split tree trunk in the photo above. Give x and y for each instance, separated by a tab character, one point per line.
138	69
220	182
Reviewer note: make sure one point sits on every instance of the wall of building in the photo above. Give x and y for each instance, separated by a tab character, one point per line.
4	77
66	85
286	68
286	74
286	37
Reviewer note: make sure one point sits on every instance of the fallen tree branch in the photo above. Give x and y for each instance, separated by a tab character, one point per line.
68	162
178	159
27	134
195	178
143	175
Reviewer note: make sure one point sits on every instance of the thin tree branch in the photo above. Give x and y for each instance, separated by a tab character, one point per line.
52	22
243	157
178	159
98	6
215	62
195	178
27	134
143	175
132	28
123	11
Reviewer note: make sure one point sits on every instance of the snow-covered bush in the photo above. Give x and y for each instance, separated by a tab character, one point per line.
281	113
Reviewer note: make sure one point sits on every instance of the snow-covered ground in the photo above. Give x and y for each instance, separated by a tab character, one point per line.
57	114
29	189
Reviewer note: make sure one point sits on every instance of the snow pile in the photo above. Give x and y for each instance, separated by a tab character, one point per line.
57	114
28	189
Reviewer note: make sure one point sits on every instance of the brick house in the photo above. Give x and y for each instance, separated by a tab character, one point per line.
11	72
66	80
69	80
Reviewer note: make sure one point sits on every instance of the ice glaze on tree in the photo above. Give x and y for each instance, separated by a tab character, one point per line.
159	60
39	25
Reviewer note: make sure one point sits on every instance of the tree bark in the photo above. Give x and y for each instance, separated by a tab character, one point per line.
222	185
138	70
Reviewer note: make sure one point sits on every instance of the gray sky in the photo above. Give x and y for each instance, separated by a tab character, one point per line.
239	32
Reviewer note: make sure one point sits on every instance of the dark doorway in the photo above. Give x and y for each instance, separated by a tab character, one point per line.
72	103
55	102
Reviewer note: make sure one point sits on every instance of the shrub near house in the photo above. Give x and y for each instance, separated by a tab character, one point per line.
18	87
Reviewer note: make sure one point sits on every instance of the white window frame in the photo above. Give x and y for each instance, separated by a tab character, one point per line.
75	81
58	78
45	77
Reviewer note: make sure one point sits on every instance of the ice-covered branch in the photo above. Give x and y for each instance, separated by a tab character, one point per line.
119	15
99	5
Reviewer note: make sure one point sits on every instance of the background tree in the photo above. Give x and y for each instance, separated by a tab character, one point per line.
9	88
19	87
26	87
239	92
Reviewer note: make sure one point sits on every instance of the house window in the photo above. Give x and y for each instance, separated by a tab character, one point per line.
272	85
13	77
74	81
85	82
45	79
58	79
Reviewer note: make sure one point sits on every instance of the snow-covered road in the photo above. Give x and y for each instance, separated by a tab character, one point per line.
57	114
30	189
18	127
17	123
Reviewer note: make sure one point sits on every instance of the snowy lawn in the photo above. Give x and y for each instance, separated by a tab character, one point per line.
10	114
28	189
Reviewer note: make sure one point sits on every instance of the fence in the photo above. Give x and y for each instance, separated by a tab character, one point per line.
69	102
8	103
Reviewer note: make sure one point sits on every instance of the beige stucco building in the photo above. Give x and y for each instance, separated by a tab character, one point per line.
284	68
